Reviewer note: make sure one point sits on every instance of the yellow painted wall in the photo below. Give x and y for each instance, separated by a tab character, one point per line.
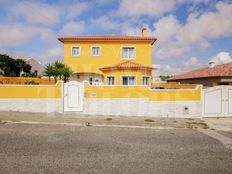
31	91
174	85
110	55
176	95
141	92
119	73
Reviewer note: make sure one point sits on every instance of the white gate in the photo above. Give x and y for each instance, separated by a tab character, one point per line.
73	96
217	101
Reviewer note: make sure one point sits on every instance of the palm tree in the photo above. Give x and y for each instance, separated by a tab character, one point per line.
58	70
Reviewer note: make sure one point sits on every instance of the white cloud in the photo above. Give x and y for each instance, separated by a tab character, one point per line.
222	58
77	9
145	7
175	38
105	23
73	28
167	69
37	13
190	64
209	25
153	8
167	45
50	55
13	34
193	61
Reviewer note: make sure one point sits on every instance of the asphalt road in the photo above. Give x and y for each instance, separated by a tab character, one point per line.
68	149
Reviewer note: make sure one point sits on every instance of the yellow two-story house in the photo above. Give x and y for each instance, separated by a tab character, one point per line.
110	60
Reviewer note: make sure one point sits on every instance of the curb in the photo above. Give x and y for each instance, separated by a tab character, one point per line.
218	128
93	125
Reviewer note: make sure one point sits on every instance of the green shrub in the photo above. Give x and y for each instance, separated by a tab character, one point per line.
31	82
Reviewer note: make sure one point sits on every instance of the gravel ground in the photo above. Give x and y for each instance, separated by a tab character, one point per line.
46	149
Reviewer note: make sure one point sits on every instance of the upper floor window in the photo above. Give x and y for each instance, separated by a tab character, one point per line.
76	51
96	51
128	52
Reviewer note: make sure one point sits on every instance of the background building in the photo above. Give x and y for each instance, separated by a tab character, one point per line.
210	76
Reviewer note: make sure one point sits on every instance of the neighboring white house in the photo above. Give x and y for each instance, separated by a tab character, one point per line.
35	65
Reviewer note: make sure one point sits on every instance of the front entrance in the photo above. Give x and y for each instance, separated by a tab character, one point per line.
217	101
73	96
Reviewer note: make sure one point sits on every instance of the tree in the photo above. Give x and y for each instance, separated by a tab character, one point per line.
67	72
21	66
164	78
58	70
13	67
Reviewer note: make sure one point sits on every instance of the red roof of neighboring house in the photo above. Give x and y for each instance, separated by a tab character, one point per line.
127	65
224	70
107	38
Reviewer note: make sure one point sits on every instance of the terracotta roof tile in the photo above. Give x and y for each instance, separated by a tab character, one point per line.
127	65
107	38
224	70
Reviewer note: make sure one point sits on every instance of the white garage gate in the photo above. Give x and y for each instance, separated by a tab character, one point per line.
217	101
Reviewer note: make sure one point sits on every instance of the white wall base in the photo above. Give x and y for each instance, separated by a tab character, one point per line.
142	107
32	105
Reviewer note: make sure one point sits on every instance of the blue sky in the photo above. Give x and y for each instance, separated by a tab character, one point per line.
190	33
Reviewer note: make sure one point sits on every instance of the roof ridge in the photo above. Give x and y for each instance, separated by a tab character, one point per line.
127	64
107	38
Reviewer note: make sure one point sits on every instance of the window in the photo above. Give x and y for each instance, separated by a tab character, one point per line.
95	51
91	80
128	52
76	51
128	80
146	80
110	80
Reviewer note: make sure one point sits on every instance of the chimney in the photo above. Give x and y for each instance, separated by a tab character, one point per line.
144	32
211	64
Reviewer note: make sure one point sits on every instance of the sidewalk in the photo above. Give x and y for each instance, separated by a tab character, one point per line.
221	124
87	120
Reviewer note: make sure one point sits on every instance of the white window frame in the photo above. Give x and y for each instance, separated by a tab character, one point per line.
107	80
79	51
92	51
128	58
129	76
148	80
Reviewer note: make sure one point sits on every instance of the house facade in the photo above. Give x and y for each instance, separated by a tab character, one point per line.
110	60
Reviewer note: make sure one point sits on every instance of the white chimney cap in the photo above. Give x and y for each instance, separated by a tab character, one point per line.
211	64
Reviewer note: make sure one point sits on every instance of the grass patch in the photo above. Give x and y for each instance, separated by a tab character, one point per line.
108	119
2	122
195	124
189	118
149	120
87	124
